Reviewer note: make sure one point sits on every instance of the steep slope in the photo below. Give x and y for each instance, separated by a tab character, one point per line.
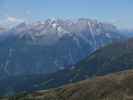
112	58
49	46
116	86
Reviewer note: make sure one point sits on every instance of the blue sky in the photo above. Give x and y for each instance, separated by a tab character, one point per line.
119	12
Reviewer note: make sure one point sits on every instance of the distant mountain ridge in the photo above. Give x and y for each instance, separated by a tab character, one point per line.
42	32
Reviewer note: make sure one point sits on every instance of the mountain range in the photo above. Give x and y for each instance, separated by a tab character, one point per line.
52	45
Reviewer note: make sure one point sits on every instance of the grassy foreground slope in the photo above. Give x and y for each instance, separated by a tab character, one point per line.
118	86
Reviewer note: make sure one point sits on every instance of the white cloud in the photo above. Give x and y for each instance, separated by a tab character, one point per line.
13	19
10	21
